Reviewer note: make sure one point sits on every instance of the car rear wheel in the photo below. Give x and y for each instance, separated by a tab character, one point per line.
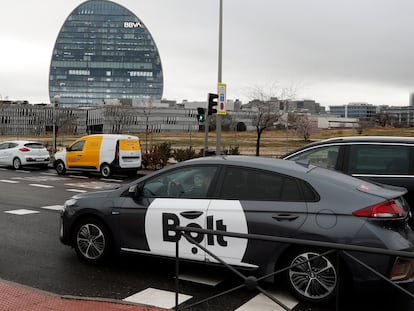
17	163
313	279
91	240
106	170
60	168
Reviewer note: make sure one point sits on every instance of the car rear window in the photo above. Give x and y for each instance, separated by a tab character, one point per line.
34	145
258	185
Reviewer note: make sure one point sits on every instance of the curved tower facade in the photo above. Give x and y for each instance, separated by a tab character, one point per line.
104	51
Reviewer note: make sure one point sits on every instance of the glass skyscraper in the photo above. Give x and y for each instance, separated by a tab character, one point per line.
104	51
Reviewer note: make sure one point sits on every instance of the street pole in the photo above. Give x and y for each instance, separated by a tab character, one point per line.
55	101
218	116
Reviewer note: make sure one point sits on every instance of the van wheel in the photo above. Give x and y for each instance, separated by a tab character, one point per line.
106	170
60	167
315	281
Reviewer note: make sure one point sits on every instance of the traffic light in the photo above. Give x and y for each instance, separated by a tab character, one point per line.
212	103
201	114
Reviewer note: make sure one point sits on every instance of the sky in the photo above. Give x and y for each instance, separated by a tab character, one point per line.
334	52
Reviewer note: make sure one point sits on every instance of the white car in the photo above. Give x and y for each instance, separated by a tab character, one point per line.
18	153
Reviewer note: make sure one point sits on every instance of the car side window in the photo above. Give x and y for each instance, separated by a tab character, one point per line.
257	185
325	157
186	182
379	159
4	146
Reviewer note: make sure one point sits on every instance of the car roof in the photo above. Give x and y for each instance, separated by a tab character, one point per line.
271	164
21	141
355	139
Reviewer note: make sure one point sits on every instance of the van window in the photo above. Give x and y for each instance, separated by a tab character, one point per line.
379	159
78	146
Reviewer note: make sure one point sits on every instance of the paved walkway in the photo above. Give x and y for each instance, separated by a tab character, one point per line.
15	297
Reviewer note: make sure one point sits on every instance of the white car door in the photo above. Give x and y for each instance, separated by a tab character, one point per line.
4	153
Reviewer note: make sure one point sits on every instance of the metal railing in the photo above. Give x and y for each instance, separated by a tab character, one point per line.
252	283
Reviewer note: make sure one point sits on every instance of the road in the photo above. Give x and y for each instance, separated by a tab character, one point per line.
31	254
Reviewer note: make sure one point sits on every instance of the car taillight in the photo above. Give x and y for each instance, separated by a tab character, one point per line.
387	209
24	149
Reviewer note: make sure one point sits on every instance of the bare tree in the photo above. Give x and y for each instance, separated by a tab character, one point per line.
268	109
305	126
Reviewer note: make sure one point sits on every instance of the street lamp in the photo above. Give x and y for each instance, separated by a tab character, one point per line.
55	102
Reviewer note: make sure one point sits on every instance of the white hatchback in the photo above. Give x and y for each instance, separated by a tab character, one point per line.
18	153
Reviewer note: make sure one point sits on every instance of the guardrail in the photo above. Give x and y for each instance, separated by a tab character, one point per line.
252	283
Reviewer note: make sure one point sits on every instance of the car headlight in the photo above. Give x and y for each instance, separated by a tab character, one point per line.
70	203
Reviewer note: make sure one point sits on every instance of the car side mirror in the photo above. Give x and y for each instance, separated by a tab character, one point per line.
135	190
68	148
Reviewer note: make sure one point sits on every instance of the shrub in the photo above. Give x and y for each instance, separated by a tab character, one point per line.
184	154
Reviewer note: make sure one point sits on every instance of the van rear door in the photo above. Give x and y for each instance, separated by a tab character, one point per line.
129	153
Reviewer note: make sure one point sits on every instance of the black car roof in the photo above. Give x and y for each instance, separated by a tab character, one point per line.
356	139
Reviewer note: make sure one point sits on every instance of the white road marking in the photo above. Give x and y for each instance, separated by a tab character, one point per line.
111	180
263	303
76	190
201	279
41	186
21	212
21	171
9	181
157	298
78	176
49	174
53	207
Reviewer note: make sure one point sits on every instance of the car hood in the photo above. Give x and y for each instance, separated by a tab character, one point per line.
96	194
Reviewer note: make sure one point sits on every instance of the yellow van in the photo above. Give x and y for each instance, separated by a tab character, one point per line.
104	153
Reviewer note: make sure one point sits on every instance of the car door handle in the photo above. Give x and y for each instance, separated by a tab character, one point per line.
191	214
285	217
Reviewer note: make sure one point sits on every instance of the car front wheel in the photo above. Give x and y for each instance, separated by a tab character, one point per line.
311	278
60	168
91	241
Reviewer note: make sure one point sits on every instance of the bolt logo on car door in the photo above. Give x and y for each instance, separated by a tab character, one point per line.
164	215
171	221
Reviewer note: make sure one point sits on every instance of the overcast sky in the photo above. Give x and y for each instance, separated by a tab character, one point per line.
334	52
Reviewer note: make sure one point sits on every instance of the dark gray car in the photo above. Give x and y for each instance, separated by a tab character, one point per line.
381	159
249	195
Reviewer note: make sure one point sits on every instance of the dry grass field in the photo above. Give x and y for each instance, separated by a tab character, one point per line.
274	143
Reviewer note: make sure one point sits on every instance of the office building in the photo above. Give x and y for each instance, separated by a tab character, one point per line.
103	51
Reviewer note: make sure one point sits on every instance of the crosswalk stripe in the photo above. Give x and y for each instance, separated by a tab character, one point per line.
201	279
9	181
263	303
157	298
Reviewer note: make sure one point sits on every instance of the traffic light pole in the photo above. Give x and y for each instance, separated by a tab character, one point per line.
206	127
218	117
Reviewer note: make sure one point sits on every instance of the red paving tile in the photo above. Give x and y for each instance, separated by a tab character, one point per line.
15	297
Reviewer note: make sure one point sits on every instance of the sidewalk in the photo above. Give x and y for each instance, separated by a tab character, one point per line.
15	297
